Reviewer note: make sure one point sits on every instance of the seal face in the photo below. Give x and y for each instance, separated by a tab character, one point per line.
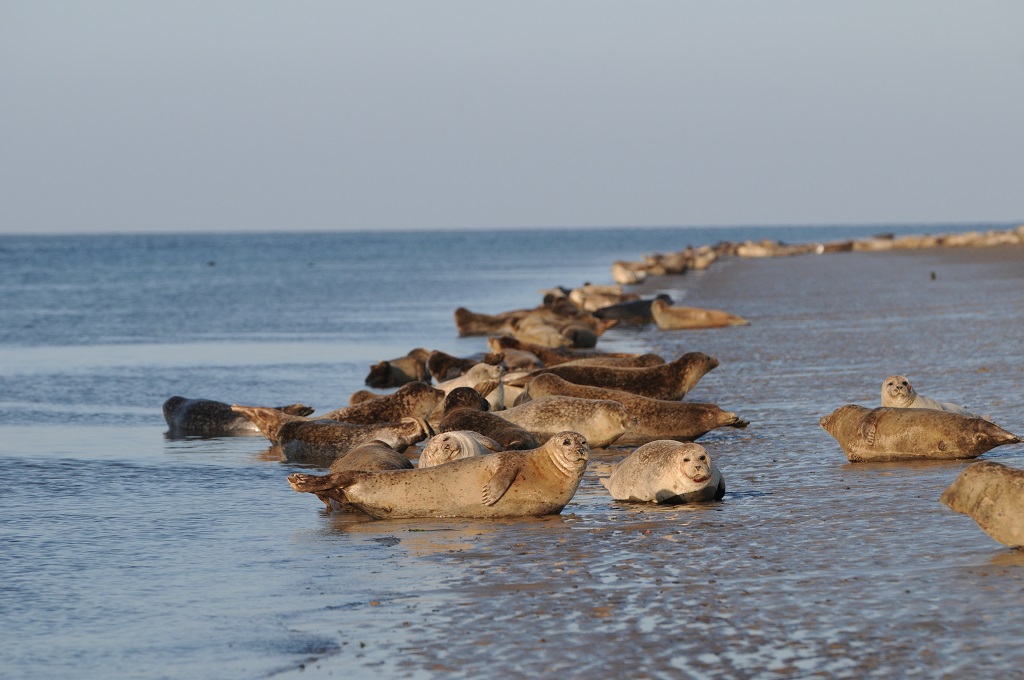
992	495
449	446
509	484
666	472
601	421
890	434
208	418
899	393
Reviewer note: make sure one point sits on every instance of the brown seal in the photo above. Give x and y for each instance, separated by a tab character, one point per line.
888	434
371	456
633	361
208	418
537	482
668	381
444	366
549	356
465	409
397	372
656	418
412	400
633	312
669	317
448	446
991	494
601	421
668	472
321	442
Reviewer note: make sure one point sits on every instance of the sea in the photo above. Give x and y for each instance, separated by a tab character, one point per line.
125	553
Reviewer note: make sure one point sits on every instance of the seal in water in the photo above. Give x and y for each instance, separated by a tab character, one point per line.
887	434
601	421
537	482
411	400
899	393
208	418
465	409
449	446
667	472
992	495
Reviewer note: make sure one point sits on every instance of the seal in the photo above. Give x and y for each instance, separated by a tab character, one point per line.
601	421
635	312
548	355
537	482
444	366
411	400
465	409
889	434
992	495
373	455
632	361
899	393
655	418
449	446
667	381
321	442
667	472
668	317
208	418
397	372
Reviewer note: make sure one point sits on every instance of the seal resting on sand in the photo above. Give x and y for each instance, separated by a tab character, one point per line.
992	495
899	393
667	381
655	418
888	434
667	472
209	418
632	312
373	455
540	481
449	446
465	409
411	400
668	317
601	421
397	372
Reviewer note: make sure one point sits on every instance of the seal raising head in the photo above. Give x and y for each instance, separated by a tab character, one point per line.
897	391
667	472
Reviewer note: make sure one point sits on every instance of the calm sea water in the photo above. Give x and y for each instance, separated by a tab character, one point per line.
126	554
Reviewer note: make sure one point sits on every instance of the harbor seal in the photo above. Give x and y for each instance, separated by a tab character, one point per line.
669	381
655	418
992	495
465	409
899	393
208	418
668	317
601	421
635	312
890	434
371	456
397	372
537	482
411	400
633	361
449	446
444	366
321	442
667	472
548	355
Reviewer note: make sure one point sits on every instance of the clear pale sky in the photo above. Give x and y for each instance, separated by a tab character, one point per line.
250	115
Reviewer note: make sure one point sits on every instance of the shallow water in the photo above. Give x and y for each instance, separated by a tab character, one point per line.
126	554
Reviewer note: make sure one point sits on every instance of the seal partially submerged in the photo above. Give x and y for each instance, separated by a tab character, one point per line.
601	421
888	434
667	472
991	494
209	418
899	393
508	484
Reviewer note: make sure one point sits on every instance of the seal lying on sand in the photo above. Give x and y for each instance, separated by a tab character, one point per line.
888	434
601	421
465	409
668	317
397	372
444	366
373	455
449	446
507	484
899	393
550	356
632	312
412	400
666	472
632	361
208	418
668	381
655	418
992	494
321	442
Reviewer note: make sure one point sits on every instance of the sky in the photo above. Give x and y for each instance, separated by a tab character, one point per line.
249	115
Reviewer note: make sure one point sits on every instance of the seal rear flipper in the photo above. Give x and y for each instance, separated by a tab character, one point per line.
297	409
500	482
314	483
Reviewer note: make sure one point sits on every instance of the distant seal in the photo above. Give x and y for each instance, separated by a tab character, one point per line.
667	472
537	482
633	312
548	355
668	381
601	421
371	456
449	446
321	442
899	393
411	400
991	494
397	372
655	418
668	317
208	418
632	361
465	409
889	434
444	366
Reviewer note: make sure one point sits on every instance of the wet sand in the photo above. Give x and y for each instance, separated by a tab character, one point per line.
810	566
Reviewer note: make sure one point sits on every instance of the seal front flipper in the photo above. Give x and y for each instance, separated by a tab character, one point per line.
499	483
869	425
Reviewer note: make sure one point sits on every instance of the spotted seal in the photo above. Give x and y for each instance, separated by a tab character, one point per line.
667	472
601	421
465	409
411	400
991	494
208	418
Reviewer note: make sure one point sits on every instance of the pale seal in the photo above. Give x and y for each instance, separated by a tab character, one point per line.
209	418
601	421
465	409
397	372
448	446
899	393
411	400
667	472
656	418
537	482
889	434
991	494
668	317
632	361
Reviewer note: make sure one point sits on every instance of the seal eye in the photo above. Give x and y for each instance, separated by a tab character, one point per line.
686	460
566	442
